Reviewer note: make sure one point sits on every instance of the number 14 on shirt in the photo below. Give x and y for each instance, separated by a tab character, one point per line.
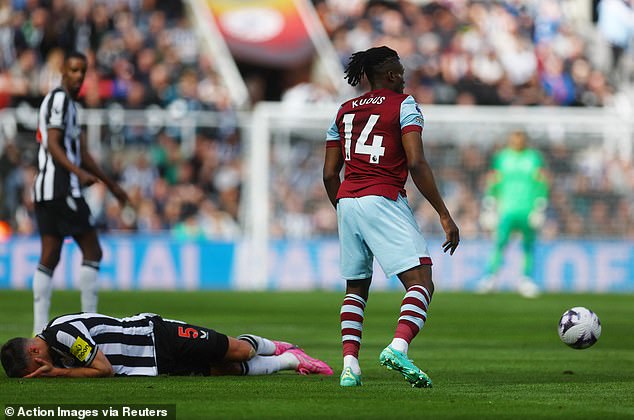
374	150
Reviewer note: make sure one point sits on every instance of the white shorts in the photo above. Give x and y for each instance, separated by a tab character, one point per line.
375	226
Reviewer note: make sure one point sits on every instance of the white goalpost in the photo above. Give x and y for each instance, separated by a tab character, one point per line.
271	121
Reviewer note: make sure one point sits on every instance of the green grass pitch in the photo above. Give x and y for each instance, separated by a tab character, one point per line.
493	356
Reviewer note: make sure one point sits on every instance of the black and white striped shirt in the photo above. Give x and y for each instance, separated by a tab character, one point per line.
128	343
58	110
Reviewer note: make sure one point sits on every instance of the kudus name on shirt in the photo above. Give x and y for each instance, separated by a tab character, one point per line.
377	100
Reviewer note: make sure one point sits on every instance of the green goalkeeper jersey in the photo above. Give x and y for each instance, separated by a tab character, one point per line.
518	182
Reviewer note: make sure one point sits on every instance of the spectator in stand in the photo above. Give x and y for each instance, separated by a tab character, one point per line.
616	25
140	52
140	173
483	52
24	75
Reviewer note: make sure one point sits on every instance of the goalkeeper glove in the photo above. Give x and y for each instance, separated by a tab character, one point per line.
537	216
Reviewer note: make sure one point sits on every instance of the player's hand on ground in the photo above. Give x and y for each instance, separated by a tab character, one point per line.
45	369
452	234
86	179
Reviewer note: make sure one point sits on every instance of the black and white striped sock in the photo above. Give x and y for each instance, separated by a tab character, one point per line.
262	346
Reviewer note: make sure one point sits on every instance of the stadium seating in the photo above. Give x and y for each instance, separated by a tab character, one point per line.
144	56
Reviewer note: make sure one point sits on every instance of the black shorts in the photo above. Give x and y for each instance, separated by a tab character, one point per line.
185	349
63	217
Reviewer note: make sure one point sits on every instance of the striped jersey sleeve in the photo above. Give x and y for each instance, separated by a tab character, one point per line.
332	135
411	117
72	342
128	343
56	109
333	131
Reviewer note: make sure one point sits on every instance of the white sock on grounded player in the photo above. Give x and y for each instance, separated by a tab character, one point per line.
263	346
42	289
265	365
88	274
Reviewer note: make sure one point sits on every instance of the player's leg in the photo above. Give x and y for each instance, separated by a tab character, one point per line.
356	261
351	318
81	228
48	215
529	236
185	349
502	237
527	287
395	239
413	314
419	289
265	347
43	279
91	251
242	359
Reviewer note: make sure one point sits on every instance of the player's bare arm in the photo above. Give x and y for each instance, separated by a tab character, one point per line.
332	167
423	178
99	368
55	138
89	163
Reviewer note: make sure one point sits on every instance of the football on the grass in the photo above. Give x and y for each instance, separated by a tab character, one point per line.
579	327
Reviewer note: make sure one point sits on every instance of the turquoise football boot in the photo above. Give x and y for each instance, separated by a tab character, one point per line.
394	359
349	378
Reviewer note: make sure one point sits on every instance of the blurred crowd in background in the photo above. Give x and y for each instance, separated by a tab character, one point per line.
591	191
487	52
144	54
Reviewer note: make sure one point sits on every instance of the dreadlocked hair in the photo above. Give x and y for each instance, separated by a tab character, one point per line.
365	62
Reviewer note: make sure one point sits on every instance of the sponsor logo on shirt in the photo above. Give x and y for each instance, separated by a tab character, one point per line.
80	349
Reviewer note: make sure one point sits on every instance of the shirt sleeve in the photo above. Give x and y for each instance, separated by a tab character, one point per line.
332	135
57	110
73	341
411	116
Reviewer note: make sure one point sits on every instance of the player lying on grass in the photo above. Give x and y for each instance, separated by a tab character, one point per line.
95	345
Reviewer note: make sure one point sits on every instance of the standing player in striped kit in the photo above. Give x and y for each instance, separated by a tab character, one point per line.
378	138
96	345
65	167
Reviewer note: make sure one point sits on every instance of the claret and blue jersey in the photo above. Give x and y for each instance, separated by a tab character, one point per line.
368	129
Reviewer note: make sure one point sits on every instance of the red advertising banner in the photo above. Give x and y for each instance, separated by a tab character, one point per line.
265	32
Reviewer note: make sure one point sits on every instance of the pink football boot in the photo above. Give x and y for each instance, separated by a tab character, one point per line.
308	365
283	346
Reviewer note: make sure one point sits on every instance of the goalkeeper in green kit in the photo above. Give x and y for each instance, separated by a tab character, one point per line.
515	201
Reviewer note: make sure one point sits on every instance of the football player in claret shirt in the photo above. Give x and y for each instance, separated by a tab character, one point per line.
378	138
